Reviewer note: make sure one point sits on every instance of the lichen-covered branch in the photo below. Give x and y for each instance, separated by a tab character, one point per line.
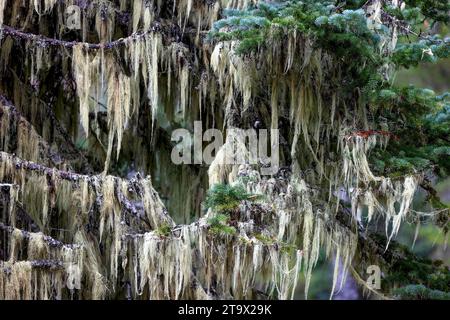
43	41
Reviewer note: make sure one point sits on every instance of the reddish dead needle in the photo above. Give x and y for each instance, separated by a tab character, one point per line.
367	133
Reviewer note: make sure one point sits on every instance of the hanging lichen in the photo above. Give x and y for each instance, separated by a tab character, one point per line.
2	10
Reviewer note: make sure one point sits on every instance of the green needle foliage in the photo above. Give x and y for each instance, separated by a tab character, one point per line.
430	49
416	120
421	120
164	230
219	225
223	199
